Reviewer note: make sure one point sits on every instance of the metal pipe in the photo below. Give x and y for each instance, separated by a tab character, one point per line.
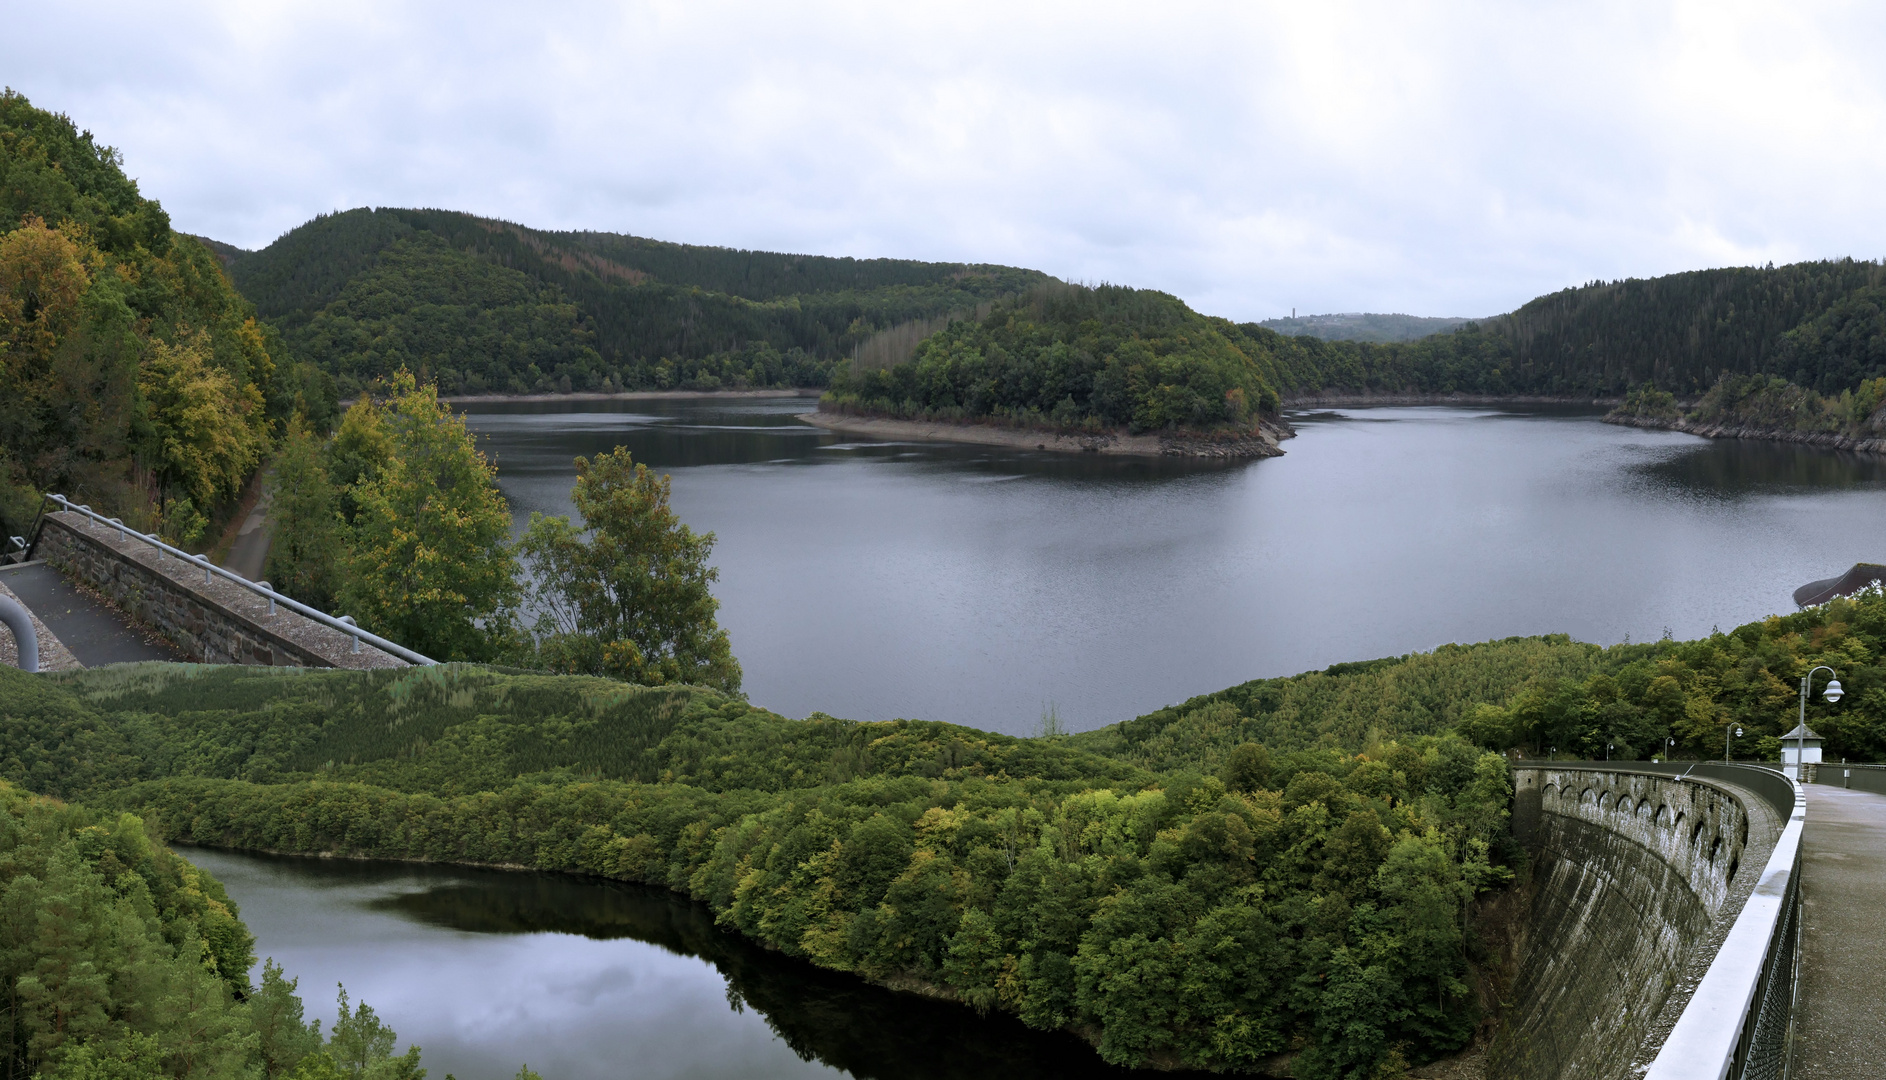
291	604
16	618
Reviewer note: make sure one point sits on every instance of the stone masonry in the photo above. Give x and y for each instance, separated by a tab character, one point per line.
217	621
1636	878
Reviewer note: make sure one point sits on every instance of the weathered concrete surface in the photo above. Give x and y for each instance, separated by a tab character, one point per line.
94	633
1843	775
1636	877
1840	1025
53	654
215	621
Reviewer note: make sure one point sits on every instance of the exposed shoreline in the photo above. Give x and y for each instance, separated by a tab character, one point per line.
627	395
1260	443
1823	439
1297	401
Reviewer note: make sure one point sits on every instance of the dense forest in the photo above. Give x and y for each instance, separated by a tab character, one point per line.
122	960
1287	866
1072	356
1314	903
485	306
1546	695
1817	327
133	376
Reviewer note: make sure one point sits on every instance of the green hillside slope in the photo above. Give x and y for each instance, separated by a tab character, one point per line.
134	377
1818	325
1073	356
1177	918
489	306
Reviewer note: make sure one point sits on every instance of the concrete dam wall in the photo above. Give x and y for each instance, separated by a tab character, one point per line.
1636	879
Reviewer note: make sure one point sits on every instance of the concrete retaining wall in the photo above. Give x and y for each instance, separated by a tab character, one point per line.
1858	777
217	622
1636	878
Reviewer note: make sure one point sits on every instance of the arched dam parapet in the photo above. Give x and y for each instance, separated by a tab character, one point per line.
1637	875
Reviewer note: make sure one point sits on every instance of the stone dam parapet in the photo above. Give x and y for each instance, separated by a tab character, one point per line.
1636	879
216	621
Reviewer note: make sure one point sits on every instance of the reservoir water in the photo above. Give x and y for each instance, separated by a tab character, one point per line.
982	586
873	580
487	970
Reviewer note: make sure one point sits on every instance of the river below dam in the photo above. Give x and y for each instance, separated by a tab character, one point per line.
488	970
984	586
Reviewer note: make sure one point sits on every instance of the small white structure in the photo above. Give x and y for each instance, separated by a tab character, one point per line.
1798	746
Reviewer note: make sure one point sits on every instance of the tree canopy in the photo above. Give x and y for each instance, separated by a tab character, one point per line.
429	563
627	595
484	306
132	375
1073	356
123	960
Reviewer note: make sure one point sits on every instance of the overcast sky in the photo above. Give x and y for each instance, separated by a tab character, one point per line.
1434	159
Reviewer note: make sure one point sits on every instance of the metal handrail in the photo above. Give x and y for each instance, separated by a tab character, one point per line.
344	623
1716	1036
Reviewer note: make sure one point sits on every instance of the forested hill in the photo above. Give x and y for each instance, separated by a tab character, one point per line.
1819	325
1362	326
134	378
489	306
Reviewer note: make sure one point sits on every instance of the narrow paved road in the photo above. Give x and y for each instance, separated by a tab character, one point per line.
1841	1034
249	554
94	633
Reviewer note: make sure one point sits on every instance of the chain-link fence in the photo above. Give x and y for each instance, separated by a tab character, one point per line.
1768	1031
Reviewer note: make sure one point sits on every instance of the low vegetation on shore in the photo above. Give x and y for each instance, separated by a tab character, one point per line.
1765	405
1554	696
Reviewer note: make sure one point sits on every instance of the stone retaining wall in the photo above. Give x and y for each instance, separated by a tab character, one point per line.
217	622
1636	879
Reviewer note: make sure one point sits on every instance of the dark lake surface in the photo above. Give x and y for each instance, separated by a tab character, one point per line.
981	586
488	970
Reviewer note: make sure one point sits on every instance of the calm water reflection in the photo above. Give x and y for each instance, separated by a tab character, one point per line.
487	970
976	585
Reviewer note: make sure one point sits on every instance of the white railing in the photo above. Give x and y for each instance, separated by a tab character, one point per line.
345	623
1737	1022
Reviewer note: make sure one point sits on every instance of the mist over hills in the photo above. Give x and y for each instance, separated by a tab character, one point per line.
1362	326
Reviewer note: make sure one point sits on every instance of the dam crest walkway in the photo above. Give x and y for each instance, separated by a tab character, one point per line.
1840	1014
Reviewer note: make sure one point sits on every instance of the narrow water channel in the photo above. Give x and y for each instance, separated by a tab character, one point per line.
488	970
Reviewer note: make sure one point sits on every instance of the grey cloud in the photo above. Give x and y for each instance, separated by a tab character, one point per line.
1251	158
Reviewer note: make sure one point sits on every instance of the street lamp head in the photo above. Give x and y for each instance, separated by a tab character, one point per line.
1833	692
1738	733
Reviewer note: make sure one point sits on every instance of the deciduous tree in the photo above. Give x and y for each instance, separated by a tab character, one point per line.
628	594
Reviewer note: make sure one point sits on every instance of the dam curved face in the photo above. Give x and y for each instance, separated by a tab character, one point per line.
1635	878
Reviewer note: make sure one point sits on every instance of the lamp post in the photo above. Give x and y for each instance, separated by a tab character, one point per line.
1832	694
1669	748
1725	738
